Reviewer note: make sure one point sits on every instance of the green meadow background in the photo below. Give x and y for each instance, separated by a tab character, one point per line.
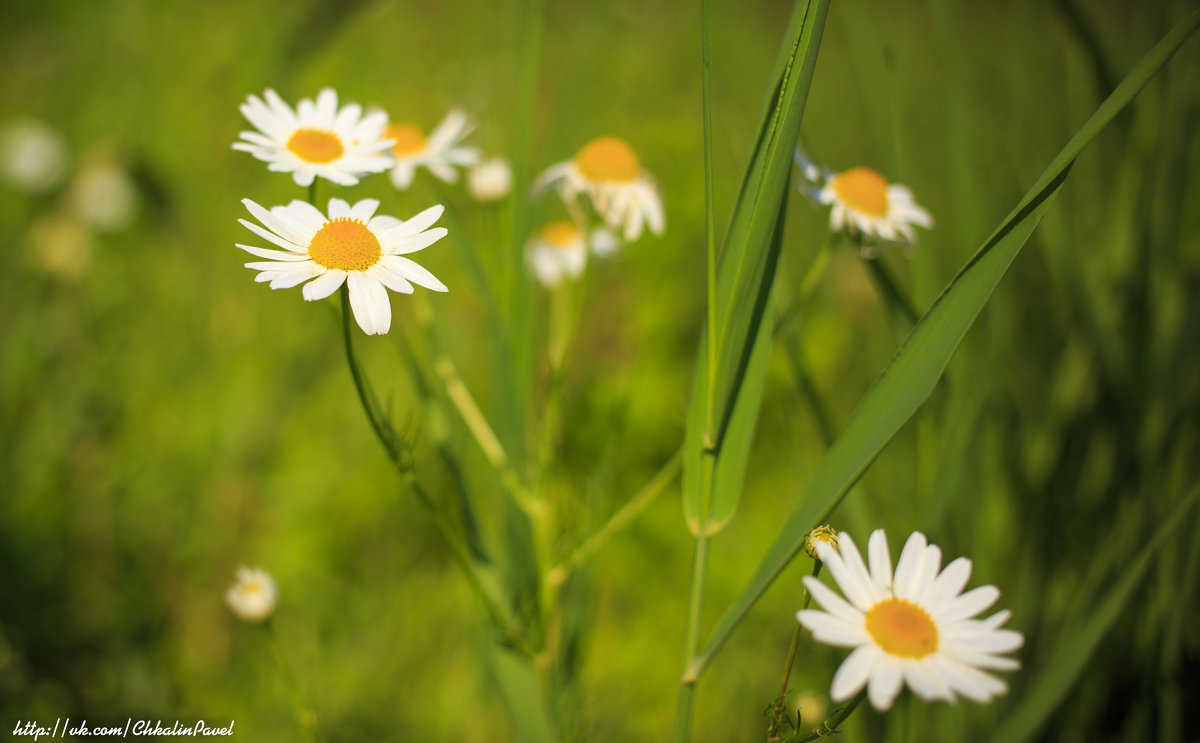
163	419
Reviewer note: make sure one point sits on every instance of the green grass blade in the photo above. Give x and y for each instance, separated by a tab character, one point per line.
744	278
917	366
1071	653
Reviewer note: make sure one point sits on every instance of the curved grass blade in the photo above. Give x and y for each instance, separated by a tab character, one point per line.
917	366
744	278
1071	653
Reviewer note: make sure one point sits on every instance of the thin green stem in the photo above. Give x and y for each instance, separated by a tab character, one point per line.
305	717
687	684
495	604
830	725
312	193
781	700
709	229
631	510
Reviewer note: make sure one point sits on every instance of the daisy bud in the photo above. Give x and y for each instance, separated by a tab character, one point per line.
821	535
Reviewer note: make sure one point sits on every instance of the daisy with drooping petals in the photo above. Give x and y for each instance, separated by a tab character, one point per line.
609	173
350	246
317	139
440	152
865	204
915	628
253	597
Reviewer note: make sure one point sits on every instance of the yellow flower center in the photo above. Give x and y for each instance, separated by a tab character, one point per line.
345	244
902	628
408	137
253	588
862	189
562	234
607	159
315	145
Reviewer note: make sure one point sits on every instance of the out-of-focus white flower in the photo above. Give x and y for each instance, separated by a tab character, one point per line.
253	596
608	172
32	155
490	180
916	628
865	204
557	251
317	139
350	246
105	197
440	152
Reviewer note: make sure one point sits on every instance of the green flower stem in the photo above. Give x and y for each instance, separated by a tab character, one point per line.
631	510
781	700
305	717
687	689
398	452
830	725
903	312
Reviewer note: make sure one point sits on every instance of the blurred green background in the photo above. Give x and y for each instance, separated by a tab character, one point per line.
165	420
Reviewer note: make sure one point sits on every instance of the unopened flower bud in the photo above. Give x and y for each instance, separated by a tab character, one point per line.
821	535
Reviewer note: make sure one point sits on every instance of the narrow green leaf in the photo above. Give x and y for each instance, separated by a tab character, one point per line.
744	278
917	366
1066	661
523	693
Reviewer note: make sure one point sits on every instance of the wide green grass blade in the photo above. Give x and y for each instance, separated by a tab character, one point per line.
744	278
1071	653
917	366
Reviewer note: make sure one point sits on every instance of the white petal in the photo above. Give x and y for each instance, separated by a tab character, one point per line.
831	630
452	128
885	683
925	683
405	245
881	561
422	221
413	272
908	567
338	209
949	583
272	237
402	175
931	563
969	604
651	206
369	300
851	574
275	255
831	602
324	285
364	210
852	675
390	279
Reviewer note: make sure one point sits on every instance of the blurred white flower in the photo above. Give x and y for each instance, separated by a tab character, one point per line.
865	204
317	139
253	596
351	246
440	152
32	155
105	197
557	251
608	172
915	628
490	180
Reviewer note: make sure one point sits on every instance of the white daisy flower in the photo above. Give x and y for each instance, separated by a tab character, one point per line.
253	597
439	152
864	203
317	139
560	251
916	628
350	246
609	173
32	156
490	180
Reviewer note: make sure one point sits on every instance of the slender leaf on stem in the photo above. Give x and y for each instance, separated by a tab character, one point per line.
743	288
917	366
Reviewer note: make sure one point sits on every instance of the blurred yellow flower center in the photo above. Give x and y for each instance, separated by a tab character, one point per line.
862	189
345	244
607	159
252	589
902	628
315	145
562	234
408	137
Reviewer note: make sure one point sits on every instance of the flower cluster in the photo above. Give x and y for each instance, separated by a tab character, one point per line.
346	244
604	182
